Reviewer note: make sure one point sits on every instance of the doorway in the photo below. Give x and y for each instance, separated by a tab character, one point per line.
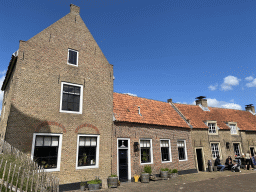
123	159
199	156
252	151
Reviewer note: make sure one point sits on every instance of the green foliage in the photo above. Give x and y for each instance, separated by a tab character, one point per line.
170	171
82	183
95	181
144	158
113	176
147	169
174	171
164	169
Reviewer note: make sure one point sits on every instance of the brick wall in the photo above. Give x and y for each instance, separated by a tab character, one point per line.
138	131
35	101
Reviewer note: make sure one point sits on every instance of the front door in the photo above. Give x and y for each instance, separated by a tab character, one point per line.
123	159
199	156
252	151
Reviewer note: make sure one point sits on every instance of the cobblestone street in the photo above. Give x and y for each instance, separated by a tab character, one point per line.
198	182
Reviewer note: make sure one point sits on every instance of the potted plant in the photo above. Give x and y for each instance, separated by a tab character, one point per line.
94	184
170	173
145	174
84	158
112	181
164	173
82	185
80	161
174	173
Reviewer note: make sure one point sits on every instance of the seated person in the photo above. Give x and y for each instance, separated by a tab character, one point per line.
229	162
218	164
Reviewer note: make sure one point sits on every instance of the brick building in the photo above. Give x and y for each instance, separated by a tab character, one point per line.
58	101
219	131
149	132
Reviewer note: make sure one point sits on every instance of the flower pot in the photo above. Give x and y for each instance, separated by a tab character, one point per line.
93	187
144	178
112	182
164	175
174	175
82	188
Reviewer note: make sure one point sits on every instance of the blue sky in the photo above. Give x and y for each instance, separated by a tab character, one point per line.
160	49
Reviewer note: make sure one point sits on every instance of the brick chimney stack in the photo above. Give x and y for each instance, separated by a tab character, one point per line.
201	100
250	107
74	9
169	100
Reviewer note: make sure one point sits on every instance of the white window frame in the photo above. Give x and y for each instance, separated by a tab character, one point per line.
186	155
170	154
76	58
239	146
233	125
81	98
151	153
218	147
216	127
97	152
59	149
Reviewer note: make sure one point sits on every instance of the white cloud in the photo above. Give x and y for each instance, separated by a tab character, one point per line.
251	84
250	78
213	87
131	94
229	81
223	104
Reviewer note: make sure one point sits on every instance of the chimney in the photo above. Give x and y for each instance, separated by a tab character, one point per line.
74	9
250	107
201	100
169	100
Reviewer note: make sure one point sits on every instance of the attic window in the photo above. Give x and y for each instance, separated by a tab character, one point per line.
139	110
72	57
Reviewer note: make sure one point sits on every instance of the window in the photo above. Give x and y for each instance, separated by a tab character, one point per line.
72	57
212	127
146	151
46	149
236	149
215	150
182	150
71	98
165	150
88	151
233	129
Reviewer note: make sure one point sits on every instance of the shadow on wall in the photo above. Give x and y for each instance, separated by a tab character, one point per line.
20	129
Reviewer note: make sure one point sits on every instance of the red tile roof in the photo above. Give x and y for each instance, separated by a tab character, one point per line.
152	112
244	119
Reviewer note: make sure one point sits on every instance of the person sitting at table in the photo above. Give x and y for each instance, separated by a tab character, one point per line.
229	163
218	164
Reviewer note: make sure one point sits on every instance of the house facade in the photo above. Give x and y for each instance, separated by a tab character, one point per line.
149	132
58	101
219	131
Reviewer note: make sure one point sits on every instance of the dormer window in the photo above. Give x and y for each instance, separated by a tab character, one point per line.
212	128
233	129
72	57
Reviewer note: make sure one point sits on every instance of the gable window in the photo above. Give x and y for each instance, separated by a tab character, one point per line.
72	57
88	151
165	150
236	149
71	98
215	150
233	129
182	150
146	151
46	149
212	127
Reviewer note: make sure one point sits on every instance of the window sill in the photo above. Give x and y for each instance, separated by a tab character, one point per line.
75	65
88	167
166	161
183	160
73	112
146	163
51	170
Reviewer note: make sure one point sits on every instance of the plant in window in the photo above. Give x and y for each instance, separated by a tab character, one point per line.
144	158
85	158
80	161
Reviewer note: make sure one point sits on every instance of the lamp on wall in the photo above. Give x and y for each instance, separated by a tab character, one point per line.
136	146
227	145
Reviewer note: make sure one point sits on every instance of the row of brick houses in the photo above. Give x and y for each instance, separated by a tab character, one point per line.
60	109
